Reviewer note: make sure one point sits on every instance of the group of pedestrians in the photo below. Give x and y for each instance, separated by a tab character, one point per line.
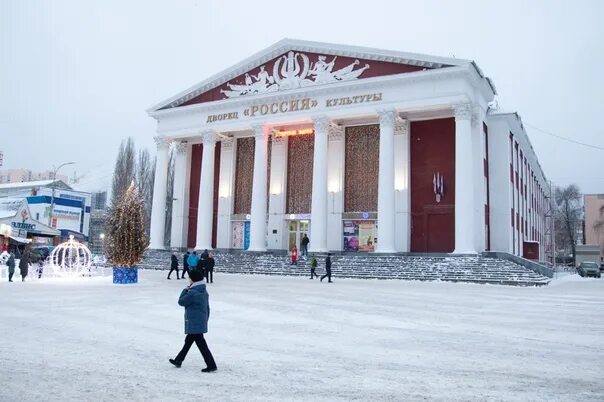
313	266
192	261
23	265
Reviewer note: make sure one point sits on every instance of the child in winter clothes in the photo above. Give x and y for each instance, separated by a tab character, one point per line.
195	300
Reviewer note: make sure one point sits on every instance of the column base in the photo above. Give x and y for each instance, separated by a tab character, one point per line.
156	247
319	250
465	252
202	247
385	251
257	250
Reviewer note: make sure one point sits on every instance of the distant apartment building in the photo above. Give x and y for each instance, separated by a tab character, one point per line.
25	175
594	223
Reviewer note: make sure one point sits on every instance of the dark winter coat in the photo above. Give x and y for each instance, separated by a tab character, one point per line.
185	264
11	264
210	263
174	264
195	300
328	264
24	264
305	240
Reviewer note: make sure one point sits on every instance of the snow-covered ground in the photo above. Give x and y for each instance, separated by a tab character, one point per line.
285	338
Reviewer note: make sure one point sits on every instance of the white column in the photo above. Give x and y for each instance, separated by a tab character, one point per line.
205	208
258	222
277	195
386	213
178	200
464	184
318	223
402	227
335	180
225	193
158	207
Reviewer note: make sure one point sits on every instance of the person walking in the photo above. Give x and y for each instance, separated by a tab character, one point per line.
194	298
210	269
313	267
173	265
294	256
185	264
24	264
11	266
327	269
304	243
193	260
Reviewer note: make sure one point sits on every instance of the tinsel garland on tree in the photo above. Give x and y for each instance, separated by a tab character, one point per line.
125	240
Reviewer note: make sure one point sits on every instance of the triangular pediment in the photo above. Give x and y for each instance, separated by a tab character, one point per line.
291	64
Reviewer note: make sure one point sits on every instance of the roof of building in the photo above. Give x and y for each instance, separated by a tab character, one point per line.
287	44
9	206
39	183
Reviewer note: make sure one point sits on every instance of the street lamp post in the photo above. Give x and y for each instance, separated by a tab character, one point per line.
52	197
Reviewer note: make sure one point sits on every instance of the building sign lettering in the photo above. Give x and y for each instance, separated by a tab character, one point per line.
23	225
351	100
294	105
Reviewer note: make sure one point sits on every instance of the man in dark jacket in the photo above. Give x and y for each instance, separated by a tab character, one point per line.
173	265
304	243
185	264
24	264
210	269
205	254
327	268
195	300
11	266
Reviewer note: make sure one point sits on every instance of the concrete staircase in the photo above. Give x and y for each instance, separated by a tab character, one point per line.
474	269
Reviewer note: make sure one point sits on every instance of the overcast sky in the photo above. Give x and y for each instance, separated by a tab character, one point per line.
77	76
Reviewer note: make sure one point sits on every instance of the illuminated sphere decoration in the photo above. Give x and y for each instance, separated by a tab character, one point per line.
71	258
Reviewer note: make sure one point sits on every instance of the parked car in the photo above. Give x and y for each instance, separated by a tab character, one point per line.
588	268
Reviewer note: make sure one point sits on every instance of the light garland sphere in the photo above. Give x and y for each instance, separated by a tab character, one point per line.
71	258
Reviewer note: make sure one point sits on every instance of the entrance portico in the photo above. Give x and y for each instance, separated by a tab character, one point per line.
326	134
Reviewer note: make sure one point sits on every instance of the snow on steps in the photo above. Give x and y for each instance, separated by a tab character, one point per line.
475	269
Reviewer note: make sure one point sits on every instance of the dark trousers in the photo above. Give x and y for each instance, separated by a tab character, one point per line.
10	276
327	275
203	348
209	275
170	273
185	270
313	273
305	250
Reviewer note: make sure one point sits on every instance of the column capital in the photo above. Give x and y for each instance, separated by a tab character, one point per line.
261	131
463	111
476	115
321	123
161	141
209	137
227	143
387	117
401	126
181	147
336	132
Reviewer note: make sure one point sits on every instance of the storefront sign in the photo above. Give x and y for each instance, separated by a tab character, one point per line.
293	105
23	225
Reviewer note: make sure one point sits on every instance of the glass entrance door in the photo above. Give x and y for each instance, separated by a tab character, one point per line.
297	230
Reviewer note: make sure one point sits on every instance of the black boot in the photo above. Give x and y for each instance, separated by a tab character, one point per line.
209	369
176	363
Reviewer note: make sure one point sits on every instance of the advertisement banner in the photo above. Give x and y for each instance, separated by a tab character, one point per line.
359	235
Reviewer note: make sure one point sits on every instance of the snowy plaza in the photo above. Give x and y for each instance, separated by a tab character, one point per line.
291	338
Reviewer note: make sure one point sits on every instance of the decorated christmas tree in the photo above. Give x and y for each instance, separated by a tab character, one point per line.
125	239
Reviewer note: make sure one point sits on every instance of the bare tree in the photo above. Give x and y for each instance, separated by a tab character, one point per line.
145	174
599	229
169	197
568	217
123	173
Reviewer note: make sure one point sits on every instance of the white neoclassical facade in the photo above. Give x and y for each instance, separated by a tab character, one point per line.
362	150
